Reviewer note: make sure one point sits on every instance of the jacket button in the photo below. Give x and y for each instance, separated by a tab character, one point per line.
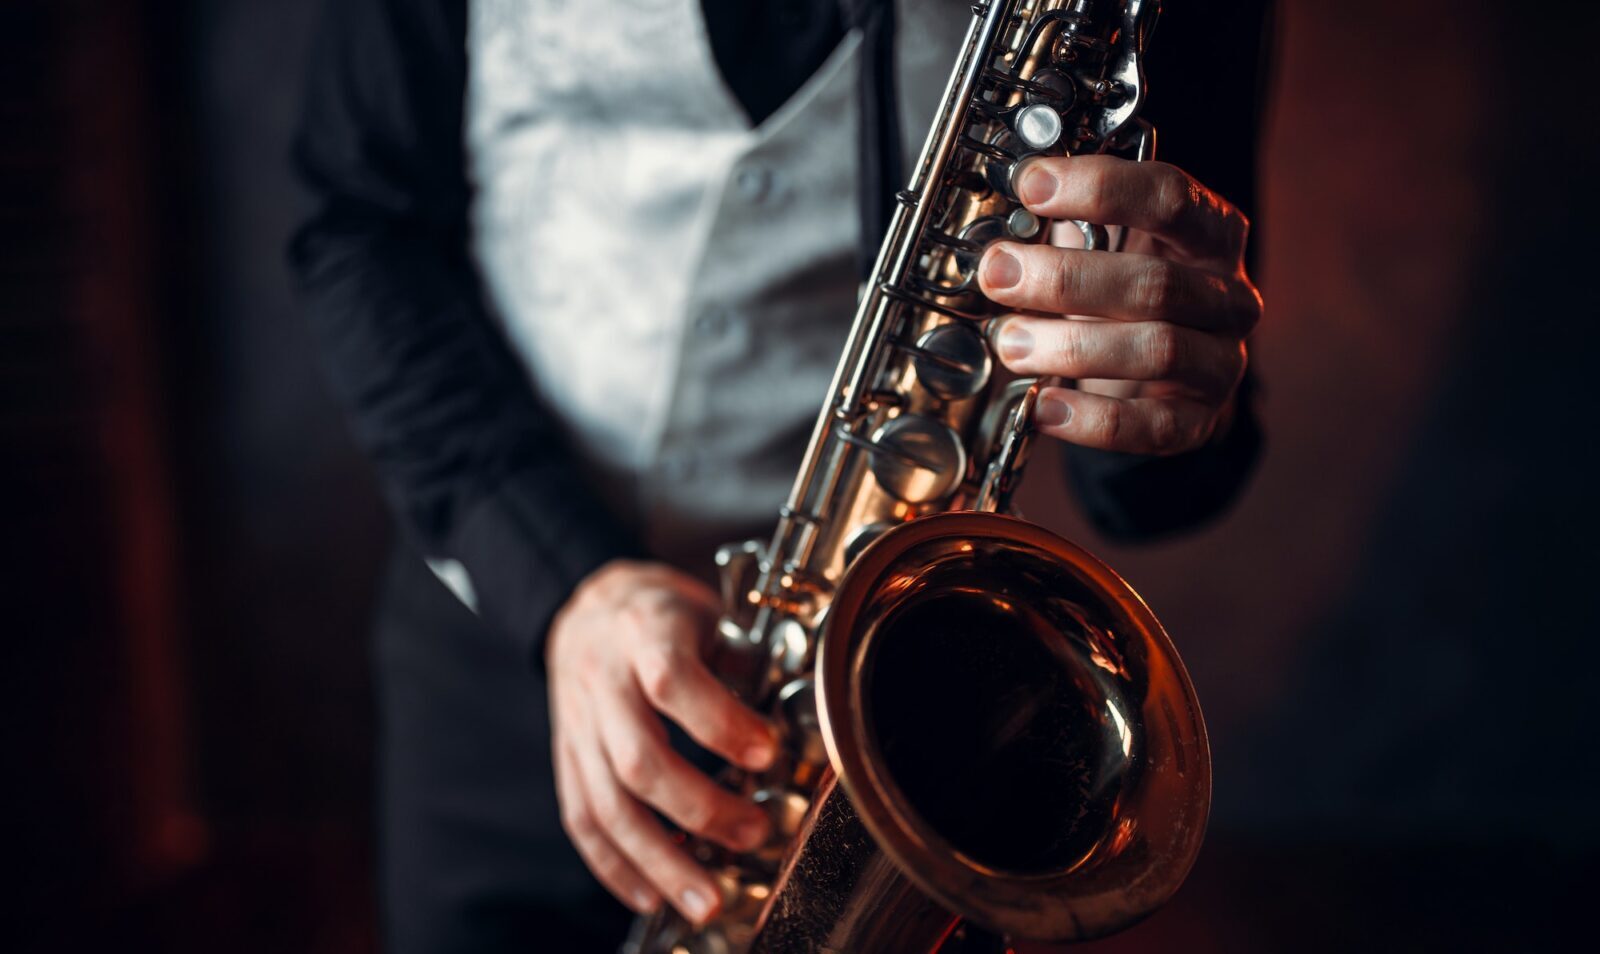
754	183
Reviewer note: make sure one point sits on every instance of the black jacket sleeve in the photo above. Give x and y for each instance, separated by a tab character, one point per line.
473	466
1208	69
1134	498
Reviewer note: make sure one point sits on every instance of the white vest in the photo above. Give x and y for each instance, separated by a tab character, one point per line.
677	283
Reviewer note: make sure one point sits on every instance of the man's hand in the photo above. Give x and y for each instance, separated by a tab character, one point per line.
1158	376
627	646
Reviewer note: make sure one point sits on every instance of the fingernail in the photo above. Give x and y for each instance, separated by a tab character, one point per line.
758	756
1037	185
695	904
1014	342
644	902
1001	269
753	834
1051	412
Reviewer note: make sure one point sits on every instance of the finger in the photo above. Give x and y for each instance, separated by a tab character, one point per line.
667	665
689	589
1127	287
1151	196
646	765
642	841
1123	351
1161	426
620	877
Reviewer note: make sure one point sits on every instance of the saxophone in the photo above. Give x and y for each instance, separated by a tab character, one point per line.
985	732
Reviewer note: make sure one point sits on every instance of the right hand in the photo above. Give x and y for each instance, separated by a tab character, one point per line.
624	647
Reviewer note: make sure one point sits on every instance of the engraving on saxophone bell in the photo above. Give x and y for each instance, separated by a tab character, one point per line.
1039	125
952	361
917	459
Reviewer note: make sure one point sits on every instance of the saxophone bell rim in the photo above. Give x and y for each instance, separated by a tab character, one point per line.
1134	868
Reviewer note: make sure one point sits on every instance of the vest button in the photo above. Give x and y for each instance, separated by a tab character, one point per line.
680	467
712	323
753	182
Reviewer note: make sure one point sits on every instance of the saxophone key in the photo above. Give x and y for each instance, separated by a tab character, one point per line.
952	361
1038	126
917	459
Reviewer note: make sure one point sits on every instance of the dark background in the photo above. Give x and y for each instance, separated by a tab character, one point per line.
1392	634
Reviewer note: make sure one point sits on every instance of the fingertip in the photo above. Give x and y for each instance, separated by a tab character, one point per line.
754	833
759	755
1000	269
1012	339
1052	410
697	904
1037	185
644	901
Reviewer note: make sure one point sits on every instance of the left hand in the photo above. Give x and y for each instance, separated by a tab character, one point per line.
1158	377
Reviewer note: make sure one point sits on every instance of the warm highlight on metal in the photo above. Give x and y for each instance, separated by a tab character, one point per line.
986	732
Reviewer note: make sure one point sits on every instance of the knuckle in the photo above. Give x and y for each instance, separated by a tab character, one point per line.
1166	350
606	809
592	666
1158	288
700	816
1250	307
1108	424
578	822
1095	184
608	867
1230	366
604	804
1238	228
1166	431
1065	284
656	667
1071	347
641	612
634	766
1175	196
736	729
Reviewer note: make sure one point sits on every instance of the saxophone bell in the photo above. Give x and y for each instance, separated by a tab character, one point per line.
1013	727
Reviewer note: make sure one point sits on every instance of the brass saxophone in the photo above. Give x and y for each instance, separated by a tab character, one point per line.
986	733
